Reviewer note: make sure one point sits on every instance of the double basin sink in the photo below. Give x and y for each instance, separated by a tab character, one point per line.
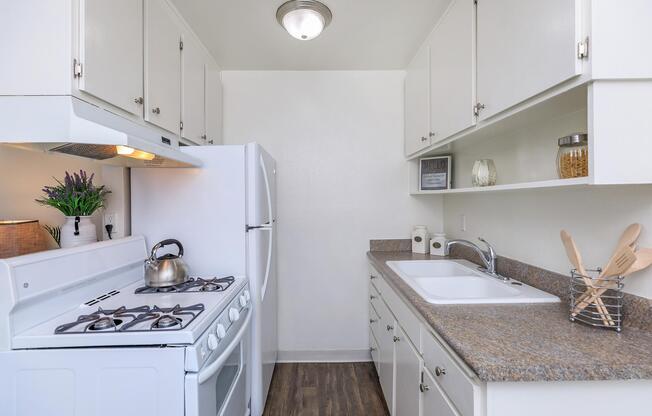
460	282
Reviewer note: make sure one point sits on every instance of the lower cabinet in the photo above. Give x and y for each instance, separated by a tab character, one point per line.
433	400
408	372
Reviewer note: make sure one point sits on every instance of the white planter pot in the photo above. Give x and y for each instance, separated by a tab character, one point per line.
77	231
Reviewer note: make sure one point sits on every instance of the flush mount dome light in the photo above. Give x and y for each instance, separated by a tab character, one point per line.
304	19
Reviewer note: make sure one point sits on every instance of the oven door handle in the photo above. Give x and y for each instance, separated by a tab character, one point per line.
214	367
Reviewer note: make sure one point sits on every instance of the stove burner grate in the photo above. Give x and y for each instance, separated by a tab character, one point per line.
193	285
128	320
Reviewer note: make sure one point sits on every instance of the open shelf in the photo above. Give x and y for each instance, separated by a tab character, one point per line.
554	183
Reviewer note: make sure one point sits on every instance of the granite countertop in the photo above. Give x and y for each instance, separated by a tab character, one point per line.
527	342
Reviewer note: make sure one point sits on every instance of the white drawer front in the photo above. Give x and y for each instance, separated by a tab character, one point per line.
375	352
447	374
374	321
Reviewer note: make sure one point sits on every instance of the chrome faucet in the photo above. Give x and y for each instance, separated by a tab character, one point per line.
488	256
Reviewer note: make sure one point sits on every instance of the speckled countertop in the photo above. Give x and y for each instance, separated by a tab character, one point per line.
533	342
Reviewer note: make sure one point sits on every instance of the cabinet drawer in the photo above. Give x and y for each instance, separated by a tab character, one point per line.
374	320
403	315
448	375
375	352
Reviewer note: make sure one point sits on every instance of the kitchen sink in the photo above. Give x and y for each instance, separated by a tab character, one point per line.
461	282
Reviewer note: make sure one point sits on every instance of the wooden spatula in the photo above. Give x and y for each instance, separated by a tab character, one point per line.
576	260
620	263
643	260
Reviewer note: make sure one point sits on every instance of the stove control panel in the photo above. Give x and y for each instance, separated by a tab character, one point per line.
220	333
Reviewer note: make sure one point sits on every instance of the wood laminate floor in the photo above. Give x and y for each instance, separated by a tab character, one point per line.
325	389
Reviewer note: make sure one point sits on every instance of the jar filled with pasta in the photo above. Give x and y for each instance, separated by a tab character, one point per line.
573	156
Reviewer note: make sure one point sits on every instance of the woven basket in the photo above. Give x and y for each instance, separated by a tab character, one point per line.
21	237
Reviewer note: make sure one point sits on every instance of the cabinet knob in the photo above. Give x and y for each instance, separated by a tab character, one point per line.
372	349
156	110
203	137
440	371
372	297
424	387
423	139
373	321
389	327
372	277
210	142
396	339
432	134
139	100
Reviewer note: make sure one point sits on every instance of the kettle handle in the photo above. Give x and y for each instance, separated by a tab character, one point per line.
166	243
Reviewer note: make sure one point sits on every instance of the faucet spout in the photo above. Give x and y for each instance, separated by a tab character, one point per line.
488	256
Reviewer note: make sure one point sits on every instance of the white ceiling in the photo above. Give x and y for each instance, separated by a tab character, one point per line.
364	34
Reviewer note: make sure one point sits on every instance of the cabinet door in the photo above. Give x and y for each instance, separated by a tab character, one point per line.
213	106
408	373
111	52
524	48
162	66
417	124
192	109
386	352
452	72
433	402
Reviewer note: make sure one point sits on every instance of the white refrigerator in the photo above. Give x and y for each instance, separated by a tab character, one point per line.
224	214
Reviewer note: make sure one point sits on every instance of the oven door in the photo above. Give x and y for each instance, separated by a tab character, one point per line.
220	387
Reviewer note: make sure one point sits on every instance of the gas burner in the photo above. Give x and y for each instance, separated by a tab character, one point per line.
192	285
133	320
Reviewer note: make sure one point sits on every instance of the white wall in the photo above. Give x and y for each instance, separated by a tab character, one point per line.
23	174
525	225
342	180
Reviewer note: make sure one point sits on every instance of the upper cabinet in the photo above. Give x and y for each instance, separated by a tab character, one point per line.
192	110
452	71
162	66
417	123
524	48
110	63
213	105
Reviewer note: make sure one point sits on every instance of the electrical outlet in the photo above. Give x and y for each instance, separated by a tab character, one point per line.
463	222
110	218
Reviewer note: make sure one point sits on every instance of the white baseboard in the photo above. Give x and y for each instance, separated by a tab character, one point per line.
327	356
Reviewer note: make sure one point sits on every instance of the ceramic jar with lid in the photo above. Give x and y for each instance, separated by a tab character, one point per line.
573	156
420	240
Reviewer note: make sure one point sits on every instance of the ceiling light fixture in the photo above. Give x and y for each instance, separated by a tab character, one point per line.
304	19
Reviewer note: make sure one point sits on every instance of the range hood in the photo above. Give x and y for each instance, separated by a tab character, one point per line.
65	124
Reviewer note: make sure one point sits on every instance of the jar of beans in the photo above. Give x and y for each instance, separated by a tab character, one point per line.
573	156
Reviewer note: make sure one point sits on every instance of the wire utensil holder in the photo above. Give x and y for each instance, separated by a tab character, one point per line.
596	301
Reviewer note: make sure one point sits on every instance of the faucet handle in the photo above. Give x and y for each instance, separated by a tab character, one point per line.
490	248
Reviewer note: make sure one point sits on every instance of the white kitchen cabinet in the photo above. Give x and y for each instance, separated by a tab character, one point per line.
408	366
417	107
452	71
192	107
162	66
524	47
110	65
433	400
385	339
213	105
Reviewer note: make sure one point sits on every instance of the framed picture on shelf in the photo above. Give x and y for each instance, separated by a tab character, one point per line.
435	173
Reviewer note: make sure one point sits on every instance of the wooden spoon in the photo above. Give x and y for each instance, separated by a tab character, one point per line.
643	260
576	260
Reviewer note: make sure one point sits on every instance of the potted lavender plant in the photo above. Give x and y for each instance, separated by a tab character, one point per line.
77	198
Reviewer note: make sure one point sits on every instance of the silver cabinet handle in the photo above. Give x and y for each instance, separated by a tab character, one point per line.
423	139
396	339
139	100
440	371
203	137
424	387
373	321
433	134
389	327
372	277
372	297
372	349
156	110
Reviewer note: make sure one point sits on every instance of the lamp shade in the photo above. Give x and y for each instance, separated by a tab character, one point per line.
18	237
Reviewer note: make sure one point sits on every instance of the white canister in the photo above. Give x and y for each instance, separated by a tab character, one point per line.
420	240
438	244
77	231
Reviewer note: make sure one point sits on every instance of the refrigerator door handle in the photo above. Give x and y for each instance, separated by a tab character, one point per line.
267	189
270	247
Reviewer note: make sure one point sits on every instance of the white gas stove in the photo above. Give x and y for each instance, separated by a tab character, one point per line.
74	321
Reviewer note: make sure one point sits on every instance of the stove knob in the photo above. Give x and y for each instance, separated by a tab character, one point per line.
220	331
234	314
247	295
243	301
212	342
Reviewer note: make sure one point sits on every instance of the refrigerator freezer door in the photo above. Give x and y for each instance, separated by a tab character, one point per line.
262	274
261	203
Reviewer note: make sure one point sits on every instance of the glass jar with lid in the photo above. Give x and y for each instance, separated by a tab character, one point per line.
573	156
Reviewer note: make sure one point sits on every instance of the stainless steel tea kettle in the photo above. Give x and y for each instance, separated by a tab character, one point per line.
166	270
